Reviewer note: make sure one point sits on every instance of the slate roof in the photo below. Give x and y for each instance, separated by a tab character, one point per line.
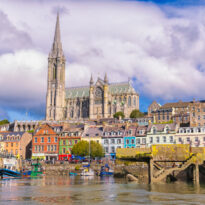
175	105
83	91
92	131
160	127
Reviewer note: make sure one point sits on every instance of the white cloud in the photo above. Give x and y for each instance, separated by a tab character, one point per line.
163	48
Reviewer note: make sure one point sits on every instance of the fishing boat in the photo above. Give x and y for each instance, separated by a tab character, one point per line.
106	171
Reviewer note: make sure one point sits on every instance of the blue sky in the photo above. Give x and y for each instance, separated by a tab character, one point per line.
160	45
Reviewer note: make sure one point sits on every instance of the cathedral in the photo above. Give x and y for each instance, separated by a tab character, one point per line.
100	99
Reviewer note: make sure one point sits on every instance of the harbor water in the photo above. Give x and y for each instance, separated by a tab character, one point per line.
96	190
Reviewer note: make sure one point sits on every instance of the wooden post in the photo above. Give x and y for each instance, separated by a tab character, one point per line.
196	173
150	170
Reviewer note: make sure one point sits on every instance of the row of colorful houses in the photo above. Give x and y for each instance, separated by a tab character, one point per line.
55	141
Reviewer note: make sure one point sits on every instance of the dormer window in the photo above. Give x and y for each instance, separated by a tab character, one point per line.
167	129
154	130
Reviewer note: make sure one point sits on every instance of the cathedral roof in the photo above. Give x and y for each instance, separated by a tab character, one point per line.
114	88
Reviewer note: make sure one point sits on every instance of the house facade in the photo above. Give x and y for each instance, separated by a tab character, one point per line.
161	134
45	143
112	139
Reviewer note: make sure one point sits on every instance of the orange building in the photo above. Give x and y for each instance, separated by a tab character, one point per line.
17	144
45	142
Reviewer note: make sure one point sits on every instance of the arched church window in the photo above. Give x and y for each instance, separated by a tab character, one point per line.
129	101
78	113
114	109
71	113
54	72
51	98
98	95
134	101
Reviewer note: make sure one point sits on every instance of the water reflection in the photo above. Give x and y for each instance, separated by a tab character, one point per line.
96	190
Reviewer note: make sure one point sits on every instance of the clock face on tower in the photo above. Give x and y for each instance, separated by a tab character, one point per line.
98	92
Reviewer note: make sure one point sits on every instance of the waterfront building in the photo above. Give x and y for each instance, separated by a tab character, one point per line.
130	137
45	143
112	139
141	137
153	107
17	144
70	136
96	100
93	133
161	134
194	136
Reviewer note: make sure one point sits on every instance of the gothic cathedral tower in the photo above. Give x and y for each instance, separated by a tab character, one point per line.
55	99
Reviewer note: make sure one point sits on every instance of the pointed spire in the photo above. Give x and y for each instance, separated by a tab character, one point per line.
105	78
57	50
91	80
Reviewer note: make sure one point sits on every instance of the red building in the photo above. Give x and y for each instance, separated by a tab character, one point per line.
45	143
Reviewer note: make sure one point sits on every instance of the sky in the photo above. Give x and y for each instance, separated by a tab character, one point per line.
158	44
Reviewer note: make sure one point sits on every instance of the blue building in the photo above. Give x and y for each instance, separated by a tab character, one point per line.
129	138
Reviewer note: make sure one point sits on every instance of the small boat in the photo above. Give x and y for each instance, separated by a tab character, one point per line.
37	170
106	171
73	174
87	172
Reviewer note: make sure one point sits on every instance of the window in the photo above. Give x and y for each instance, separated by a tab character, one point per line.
42	139
106	141
70	142
55	147
180	139
16	151
203	109
51	148
138	141
127	141
133	141
42	147
119	141
87	135
48	148
188	139
164	139
151	139
130	132
143	140
167	130
35	148
198	110
96	134
35	139
199	124
157	139
113	141
204	139
11	144
106	149
49	139
167	117
129	101
134	101
193	114
56	139
64	150
63	142
171	139
112	149
204	117
196	139
76	141
198	117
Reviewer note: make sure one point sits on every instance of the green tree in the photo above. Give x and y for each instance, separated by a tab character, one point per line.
136	114
118	115
3	122
82	149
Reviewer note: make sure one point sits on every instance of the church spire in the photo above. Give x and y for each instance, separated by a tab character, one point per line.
105	78
57	50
